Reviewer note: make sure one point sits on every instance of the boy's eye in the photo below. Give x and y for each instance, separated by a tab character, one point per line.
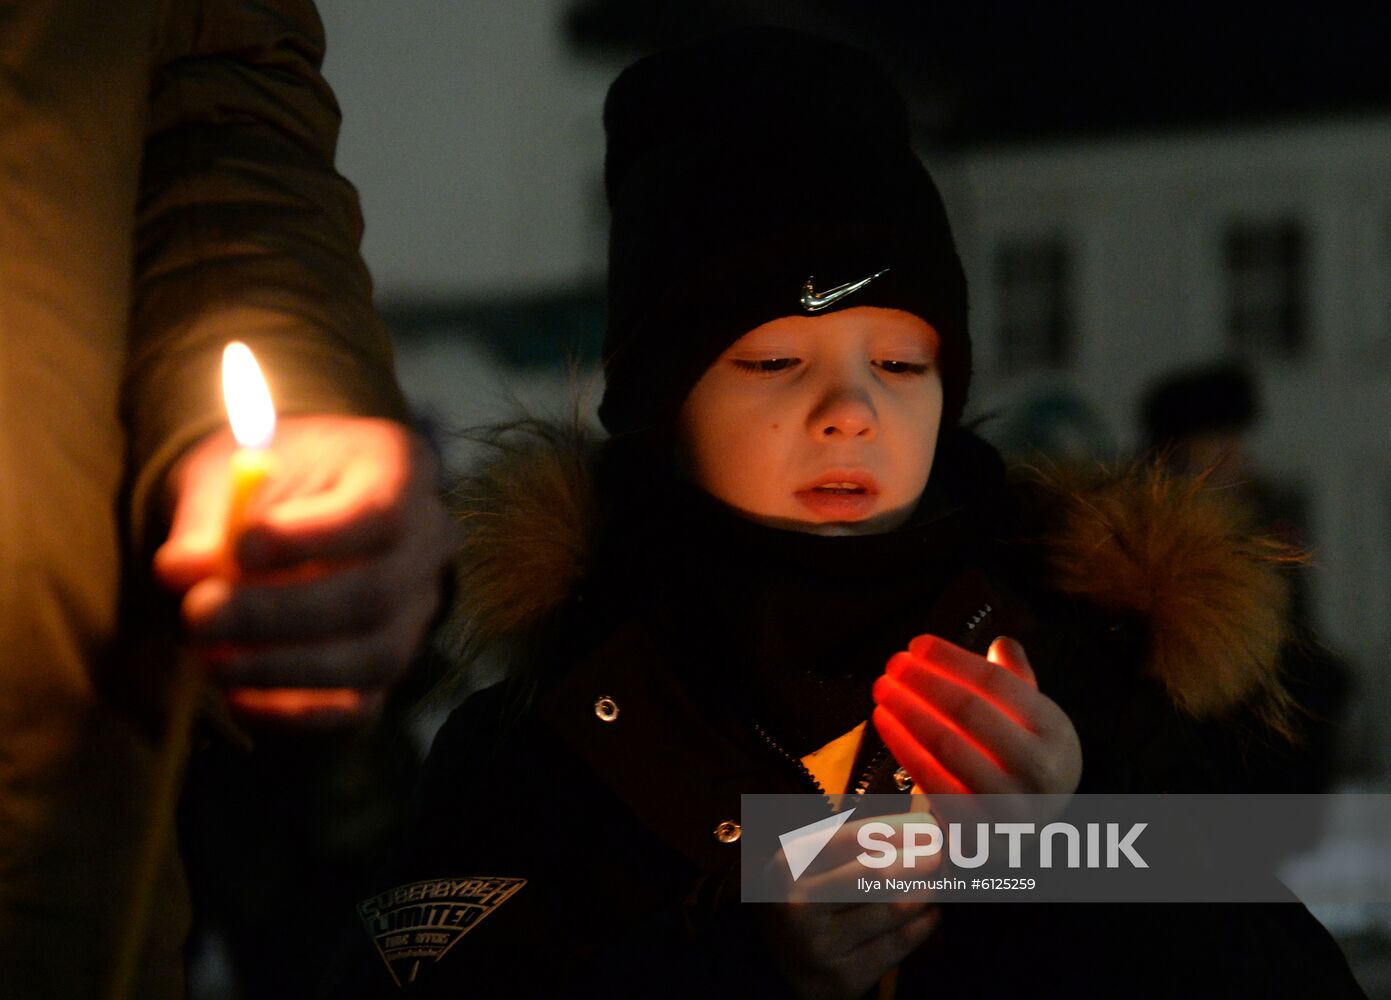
766	366
903	367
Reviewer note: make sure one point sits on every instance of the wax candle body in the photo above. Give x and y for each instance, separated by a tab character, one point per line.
250	468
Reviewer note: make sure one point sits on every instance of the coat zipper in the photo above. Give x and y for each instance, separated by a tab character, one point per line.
796	762
982	613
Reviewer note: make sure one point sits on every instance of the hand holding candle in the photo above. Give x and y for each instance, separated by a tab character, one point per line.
310	590
960	722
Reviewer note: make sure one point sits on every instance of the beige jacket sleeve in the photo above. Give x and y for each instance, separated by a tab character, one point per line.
244	230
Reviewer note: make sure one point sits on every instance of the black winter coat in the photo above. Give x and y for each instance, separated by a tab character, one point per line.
573	832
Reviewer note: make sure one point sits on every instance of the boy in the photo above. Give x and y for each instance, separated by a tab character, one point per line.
705	604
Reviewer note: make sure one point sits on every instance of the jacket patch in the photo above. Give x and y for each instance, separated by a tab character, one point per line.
420	921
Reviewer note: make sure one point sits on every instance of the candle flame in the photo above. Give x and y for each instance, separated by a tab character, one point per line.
249	407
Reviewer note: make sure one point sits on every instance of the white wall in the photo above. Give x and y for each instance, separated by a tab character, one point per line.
475	141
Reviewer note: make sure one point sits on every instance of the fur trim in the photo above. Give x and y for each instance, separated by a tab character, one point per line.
528	514
1133	542
1182	557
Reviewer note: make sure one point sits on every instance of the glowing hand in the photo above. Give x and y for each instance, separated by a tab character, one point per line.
962	723
832	950
335	578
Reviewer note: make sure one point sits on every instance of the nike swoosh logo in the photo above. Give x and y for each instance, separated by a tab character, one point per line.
814	302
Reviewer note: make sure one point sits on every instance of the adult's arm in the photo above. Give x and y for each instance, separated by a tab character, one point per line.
246	231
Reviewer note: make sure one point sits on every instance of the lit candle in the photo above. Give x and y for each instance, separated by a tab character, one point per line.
252	416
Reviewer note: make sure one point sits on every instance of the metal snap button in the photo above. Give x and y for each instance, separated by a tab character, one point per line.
606	708
903	779
728	832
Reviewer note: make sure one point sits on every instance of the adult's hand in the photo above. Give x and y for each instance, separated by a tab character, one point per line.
964	723
323	600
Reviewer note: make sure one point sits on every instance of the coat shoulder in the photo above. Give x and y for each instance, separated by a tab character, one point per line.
1183	559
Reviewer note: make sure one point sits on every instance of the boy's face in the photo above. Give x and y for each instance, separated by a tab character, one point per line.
825	424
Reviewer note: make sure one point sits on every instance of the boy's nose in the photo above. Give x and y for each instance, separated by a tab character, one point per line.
844	412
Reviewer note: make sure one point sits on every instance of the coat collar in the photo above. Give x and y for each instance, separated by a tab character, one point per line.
1131	542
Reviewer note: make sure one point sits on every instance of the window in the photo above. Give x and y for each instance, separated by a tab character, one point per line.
1266	265
1032	293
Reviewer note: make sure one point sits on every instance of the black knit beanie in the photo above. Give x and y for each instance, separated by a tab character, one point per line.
739	168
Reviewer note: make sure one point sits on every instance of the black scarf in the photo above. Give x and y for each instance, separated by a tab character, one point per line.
787	629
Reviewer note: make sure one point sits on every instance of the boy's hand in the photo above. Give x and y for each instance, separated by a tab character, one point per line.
335	578
832	950
963	723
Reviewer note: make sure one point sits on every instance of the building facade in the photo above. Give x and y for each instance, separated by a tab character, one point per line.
1098	266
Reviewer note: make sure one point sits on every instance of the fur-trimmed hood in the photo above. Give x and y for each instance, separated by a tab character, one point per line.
1131	541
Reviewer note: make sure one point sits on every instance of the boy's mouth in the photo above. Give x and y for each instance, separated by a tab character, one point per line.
839	488
840	495
842	481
